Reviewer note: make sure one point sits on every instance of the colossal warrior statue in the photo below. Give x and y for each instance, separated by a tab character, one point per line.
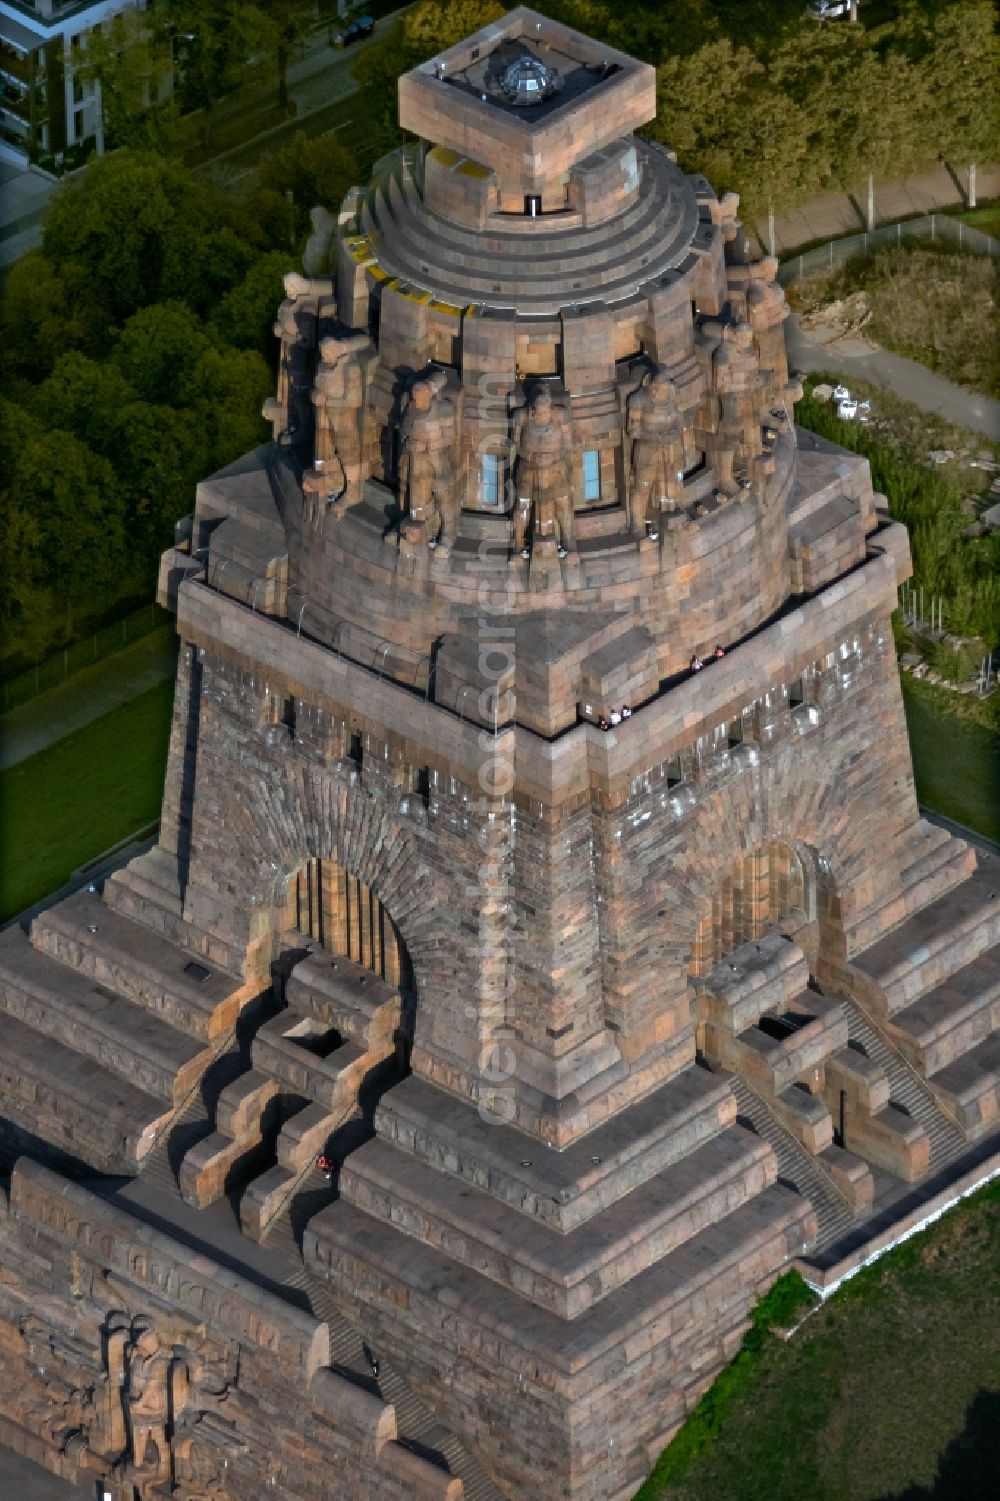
656	473
542	475
427	480
338	394
738	410
307	301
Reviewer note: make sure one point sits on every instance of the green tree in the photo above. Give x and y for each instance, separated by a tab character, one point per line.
139	229
317	170
75	544
44	310
84	396
158	351
959	77
220	37
245	316
129	57
229	387
162	453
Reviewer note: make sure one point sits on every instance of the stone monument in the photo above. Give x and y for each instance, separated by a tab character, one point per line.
542	948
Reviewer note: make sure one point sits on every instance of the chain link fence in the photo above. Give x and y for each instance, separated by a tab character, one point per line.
26	685
937	227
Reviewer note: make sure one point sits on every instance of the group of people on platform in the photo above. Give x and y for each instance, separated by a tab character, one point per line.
696	663
615	718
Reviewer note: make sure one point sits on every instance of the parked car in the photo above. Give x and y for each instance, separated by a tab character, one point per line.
362	27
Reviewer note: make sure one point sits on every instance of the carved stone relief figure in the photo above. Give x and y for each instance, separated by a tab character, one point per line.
655	426
307	299
428	486
338	396
543	475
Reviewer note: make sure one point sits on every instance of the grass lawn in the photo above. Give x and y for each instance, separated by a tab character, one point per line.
890	1392
956	760
63	806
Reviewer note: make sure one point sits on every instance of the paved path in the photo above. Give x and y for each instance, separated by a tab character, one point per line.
85	696
830	215
914	383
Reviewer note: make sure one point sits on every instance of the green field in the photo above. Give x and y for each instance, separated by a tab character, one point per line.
63	806
956	760
890	1392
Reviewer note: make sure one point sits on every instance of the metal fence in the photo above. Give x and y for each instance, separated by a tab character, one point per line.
19	689
937	227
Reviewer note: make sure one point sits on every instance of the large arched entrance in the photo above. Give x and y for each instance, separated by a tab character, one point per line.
760	890
329	905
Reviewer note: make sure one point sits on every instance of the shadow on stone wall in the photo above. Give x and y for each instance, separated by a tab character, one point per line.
968	1467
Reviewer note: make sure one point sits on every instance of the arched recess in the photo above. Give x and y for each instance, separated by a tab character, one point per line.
761	889
327	903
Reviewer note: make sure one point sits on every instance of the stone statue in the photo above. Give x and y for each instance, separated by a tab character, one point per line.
338	395
427	480
656	429
767	310
296	325
738	384
316	258
542	475
147	1398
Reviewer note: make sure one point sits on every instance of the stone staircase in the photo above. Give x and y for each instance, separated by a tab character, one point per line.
308	1067
906	1088
419	1430
109	1029
796	1166
931	985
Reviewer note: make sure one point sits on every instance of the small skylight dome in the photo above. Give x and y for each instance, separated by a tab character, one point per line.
528	80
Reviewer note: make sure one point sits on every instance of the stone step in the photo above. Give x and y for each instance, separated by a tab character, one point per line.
74	1104
565	1273
304	1135
278	1050
147	892
562	1189
931	863
242	1105
906	1088
764	975
797	1167
773	1055
934	943
952	1018
360	1005
970	1088
217	1163
120	1035
84	934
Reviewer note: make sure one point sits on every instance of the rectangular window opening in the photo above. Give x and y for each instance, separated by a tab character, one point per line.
532	204
490	490
591	474
796	693
675	772
736	732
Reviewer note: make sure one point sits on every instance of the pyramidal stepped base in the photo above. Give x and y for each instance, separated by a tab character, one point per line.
542	949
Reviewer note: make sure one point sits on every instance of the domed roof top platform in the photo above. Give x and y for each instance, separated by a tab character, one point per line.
587	95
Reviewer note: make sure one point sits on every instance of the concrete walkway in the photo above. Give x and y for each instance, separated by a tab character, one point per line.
830	215
85	696
854	358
